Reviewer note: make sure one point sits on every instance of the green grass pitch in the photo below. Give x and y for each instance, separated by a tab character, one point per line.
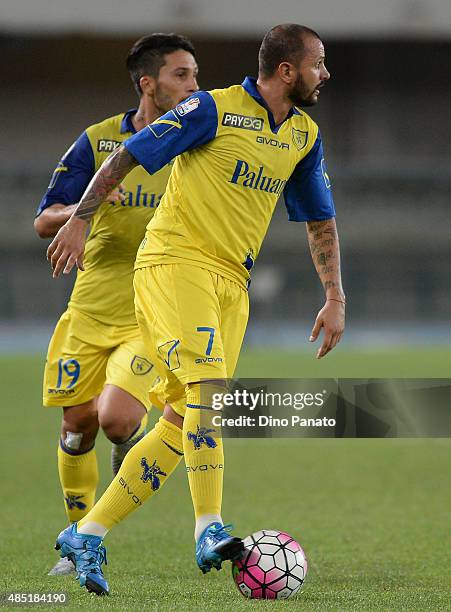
372	515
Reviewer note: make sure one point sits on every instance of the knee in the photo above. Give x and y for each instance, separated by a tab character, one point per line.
118	428
171	415
79	427
80	419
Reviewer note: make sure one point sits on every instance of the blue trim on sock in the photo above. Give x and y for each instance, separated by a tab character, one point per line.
74	453
199	406
173	449
132	435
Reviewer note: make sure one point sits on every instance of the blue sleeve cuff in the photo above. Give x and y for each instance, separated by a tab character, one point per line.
191	123
308	194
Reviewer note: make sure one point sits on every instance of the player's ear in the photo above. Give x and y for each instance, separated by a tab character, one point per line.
147	84
285	71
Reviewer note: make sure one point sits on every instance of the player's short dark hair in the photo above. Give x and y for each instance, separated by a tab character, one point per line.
283	43
147	55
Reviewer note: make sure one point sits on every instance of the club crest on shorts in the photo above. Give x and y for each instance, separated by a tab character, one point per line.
140	365
300	138
151	473
201	437
73	501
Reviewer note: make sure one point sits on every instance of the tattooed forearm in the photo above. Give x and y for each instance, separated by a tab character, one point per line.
321	245
108	176
323	257
325	250
322	229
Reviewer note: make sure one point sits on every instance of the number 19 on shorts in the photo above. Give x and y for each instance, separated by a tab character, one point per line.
68	373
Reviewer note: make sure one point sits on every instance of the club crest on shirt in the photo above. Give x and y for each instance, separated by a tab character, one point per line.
140	365
300	138
186	107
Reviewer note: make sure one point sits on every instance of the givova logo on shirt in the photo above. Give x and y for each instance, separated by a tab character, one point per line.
255	178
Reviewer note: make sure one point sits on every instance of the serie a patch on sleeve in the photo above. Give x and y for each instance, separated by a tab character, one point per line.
187	107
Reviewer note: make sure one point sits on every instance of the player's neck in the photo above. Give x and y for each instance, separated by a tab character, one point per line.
275	99
146	113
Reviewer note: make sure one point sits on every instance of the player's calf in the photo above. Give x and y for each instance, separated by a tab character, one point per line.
77	461
123	419
119	451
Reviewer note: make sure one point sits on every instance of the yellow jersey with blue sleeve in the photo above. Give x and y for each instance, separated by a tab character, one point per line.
104	290
232	165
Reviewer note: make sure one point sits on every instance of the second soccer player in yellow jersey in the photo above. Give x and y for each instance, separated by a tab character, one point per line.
98	367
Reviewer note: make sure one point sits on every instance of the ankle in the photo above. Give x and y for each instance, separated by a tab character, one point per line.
203	521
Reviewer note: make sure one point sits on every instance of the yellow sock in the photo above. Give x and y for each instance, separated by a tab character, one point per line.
79	476
204	455
143	472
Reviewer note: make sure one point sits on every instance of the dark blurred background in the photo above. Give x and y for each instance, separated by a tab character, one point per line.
384	118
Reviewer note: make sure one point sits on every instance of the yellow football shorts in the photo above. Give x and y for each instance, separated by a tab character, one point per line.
84	355
192	322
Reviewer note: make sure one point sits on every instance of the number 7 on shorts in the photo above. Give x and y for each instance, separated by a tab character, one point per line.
211	331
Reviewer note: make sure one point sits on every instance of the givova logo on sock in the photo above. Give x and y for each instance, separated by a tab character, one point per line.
151	473
202	437
73	501
204	467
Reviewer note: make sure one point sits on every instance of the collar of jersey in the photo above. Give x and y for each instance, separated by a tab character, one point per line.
250	85
127	123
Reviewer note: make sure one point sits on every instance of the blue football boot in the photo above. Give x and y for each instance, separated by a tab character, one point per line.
215	545
87	554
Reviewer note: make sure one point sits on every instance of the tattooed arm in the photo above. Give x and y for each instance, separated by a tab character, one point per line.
67	247
325	250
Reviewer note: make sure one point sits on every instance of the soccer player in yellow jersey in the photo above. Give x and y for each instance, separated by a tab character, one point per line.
98	368
238	150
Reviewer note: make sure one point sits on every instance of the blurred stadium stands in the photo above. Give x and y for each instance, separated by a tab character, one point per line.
385	122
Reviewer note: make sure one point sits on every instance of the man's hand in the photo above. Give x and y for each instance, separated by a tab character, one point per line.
331	318
68	246
117	195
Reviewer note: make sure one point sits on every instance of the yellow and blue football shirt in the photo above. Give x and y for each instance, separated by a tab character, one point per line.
233	164
104	290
